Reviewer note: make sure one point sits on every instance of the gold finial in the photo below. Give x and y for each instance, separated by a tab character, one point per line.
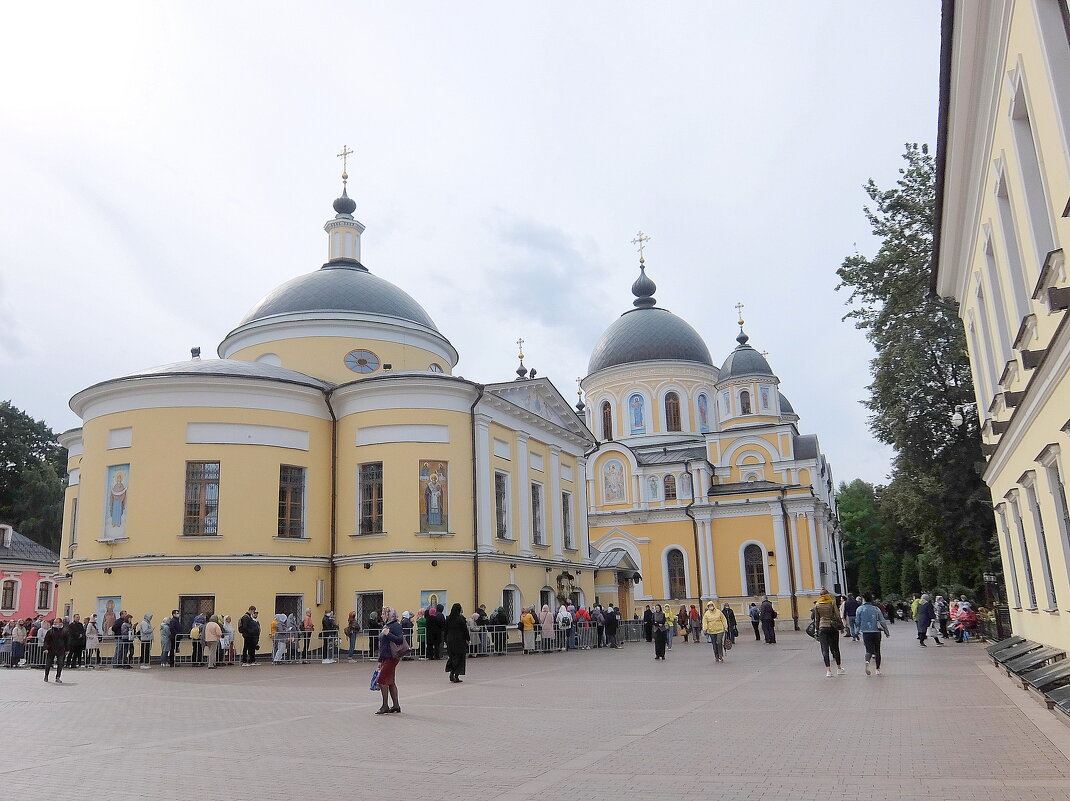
344	156
579	390
739	312
641	239
520	345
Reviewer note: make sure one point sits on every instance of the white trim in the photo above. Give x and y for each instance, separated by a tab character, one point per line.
246	434
51	595
423	391
665	572
18	592
728	454
405	432
509	533
743	568
120	438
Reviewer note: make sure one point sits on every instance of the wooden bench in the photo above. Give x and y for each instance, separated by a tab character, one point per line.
1058	698
1014	652
1047	678
1002	644
1033	660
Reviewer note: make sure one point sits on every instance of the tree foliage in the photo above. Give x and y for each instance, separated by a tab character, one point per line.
935	500
31	463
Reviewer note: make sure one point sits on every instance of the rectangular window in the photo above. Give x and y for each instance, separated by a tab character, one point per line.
1062	513
501	505
74	522
538	531
189	606
566	519
202	499
370	499
1042	540
44	595
8	600
291	501
1027	563
1008	549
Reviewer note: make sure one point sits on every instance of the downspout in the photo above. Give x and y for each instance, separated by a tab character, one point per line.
694	529
475	501
791	562
332	572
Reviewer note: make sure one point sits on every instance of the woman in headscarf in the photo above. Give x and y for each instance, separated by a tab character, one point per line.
546	623
527	630
278	639
390	636
828	624
457	639
660	632
683	622
715	627
226	645
421	632
730	617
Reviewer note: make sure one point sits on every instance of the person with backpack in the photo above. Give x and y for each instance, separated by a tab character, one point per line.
755	620
145	635
249	629
827	626
694	621
564	626
196	636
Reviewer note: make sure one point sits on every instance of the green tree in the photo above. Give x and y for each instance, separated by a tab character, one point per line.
867	577
921	372
908	576
888	573
31	463
863	527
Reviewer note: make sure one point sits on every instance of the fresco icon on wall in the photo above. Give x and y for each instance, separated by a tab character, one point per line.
703	414
117	485
765	397
654	485
434	496
613	482
433	598
108	608
635	409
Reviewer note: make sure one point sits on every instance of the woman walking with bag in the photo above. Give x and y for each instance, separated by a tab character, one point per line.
457	639
829	625
715	627
389	638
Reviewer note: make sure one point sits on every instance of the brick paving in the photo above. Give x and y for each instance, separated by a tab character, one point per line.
765	725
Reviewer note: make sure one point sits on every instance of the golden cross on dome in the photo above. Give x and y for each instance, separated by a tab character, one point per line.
641	239
344	156
520	344
739	312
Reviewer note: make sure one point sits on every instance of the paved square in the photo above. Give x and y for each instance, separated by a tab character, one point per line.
598	724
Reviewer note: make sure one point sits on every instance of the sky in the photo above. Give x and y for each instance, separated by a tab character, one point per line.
165	165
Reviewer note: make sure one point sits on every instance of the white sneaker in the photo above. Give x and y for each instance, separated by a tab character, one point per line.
828	674
867	668
879	672
840	671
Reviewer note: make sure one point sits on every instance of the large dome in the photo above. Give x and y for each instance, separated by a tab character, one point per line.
340	286
648	334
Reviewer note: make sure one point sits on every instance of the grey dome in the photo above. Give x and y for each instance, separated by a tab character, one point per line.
744	360
340	286
648	334
785	404
228	367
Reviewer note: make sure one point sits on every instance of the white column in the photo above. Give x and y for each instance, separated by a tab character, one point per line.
780	539
711	567
523	493
637	496
555	501
484	484
817	550
793	523
579	514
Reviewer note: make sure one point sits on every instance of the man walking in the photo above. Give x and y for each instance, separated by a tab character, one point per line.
75	642
249	629
871	623
767	615
755	620
55	648
850	607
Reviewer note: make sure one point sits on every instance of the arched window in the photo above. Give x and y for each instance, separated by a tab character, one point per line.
607	421
677	574
672	412
754	563
670	488
744	402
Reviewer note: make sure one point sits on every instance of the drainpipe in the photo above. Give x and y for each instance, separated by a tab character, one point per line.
694	528
791	563
475	501
332	572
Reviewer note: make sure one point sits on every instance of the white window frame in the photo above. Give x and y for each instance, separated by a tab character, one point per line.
538	521
15	596
508	534
568	530
51	595
743	567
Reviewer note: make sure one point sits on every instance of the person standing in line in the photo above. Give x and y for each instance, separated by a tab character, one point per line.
226	644
278	639
165	640
18	643
125	645
546	626
55	648
660	635
527	630
92	642
767	614
174	628
351	631
731	633
828	623
924	617
436	630
421	633
307	627
715	627
457	639
249	628
329	638
943	615
694	621
213	633
871	622
598	619
145	634
755	615
648	624
75	642
196	636
612	617
389	636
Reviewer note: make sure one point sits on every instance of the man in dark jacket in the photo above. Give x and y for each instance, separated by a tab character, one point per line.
435	633
173	630
249	629
611	619
648	624
75	642
850	606
768	617
55	648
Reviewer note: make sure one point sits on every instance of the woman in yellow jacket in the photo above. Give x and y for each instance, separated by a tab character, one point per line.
714	626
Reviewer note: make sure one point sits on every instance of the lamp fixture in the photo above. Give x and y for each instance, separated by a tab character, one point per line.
956	418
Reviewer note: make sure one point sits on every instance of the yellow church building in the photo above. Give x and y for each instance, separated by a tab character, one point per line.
329	459
1003	218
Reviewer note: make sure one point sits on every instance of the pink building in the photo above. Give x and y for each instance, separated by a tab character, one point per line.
27	586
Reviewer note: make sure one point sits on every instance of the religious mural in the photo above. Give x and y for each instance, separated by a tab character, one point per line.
434	501
116	485
726	405
654	485
433	598
765	397
108	608
613	482
635	409
703	414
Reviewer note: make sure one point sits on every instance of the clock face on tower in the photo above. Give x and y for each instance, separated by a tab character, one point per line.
362	361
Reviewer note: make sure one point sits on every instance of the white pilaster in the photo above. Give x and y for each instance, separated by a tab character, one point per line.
484	484
816	551
711	566
780	538
555	501
583	534
793	523
523	493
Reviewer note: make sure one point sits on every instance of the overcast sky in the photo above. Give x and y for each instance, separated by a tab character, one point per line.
165	165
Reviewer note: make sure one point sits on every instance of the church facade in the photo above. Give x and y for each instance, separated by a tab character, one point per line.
330	460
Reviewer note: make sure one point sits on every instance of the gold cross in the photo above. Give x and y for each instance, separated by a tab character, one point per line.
344	156
641	239
520	344
739	312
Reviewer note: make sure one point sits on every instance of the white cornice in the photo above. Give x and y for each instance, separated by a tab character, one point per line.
513	416
161	560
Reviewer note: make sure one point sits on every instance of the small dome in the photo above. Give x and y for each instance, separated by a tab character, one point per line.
744	360
345	204
343	286
648	334
785	404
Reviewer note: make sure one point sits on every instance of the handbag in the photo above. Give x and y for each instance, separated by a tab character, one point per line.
728	644
811	629
375	681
